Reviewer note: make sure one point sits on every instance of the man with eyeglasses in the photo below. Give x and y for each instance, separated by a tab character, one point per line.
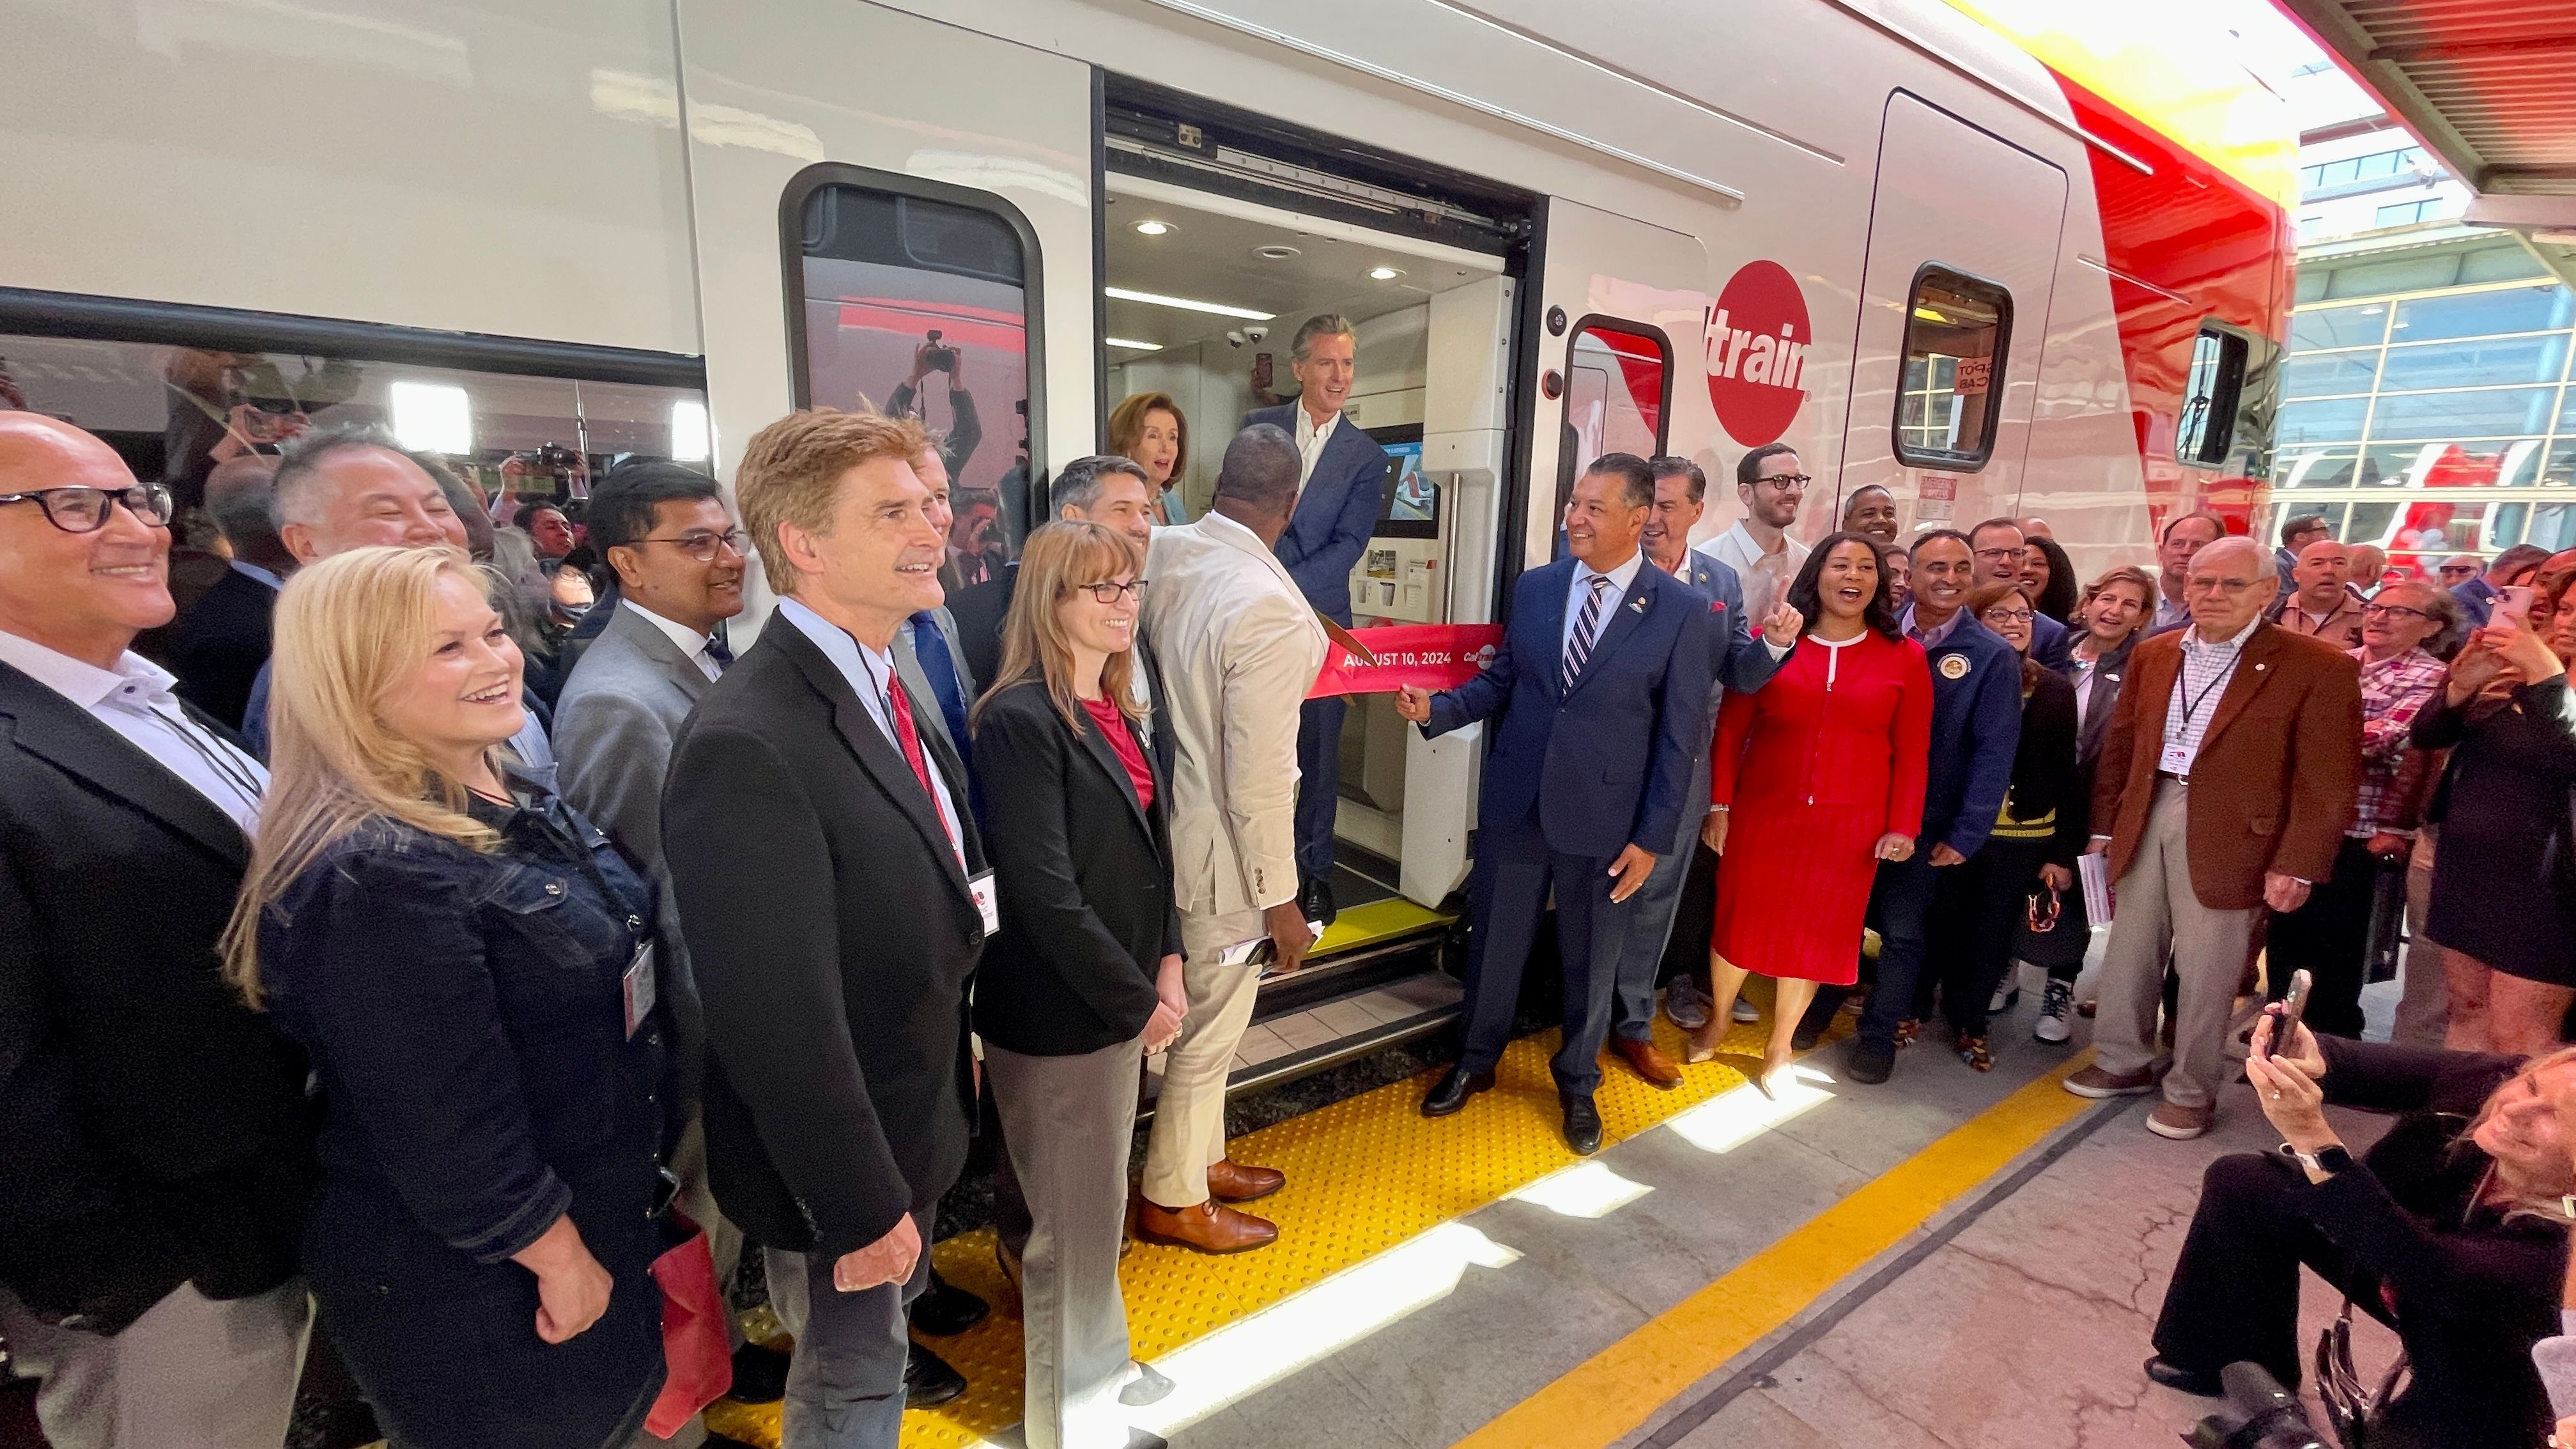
1771	485
1999	546
2224	785
157	1148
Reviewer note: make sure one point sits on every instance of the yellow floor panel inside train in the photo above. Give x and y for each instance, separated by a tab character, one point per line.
1363	1176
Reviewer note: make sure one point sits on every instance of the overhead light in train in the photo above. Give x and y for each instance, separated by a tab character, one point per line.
1277	252
433	417
691	441
1150	227
1384	274
1186	304
1133	343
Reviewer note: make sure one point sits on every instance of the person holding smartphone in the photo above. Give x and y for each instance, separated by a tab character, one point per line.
2504	810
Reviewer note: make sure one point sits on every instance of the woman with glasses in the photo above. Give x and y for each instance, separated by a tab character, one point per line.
2033	847
1084	978
468	963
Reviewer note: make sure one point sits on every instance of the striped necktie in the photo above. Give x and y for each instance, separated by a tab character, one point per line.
1578	645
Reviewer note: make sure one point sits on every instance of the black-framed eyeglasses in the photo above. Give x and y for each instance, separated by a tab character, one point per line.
1786	480
701	544
2400	609
2009	616
1107	592
85	510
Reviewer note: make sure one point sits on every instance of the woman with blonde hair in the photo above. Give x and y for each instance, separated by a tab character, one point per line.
1084	978
468	964
1150	428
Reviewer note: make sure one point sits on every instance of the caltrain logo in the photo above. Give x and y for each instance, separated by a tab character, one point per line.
1757	339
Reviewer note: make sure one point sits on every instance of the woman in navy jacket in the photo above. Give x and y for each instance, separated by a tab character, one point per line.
1084	977
467	962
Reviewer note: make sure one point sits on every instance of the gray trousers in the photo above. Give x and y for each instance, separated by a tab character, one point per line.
845	1382
191	1373
1189	1117
2155	906
1650	930
1067	1122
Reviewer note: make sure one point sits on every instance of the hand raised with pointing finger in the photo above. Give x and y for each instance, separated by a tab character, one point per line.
1782	624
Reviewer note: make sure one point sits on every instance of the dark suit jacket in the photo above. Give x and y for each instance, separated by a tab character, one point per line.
1335	514
2279	765
1084	928
833	938
2102	697
979	610
1976	728
223	641
152	1128
1607	764
2050	641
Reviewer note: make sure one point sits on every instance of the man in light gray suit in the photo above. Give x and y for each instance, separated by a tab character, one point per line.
679	562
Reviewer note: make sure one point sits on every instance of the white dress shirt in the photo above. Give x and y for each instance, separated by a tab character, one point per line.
2202	682
1311	438
1765	576
134	699
1620	578
871	676
692	644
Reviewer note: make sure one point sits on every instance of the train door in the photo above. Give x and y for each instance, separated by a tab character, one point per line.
1954	308
867	234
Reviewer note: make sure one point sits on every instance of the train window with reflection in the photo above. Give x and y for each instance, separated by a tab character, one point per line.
920	298
1618	390
1950	392
2206	430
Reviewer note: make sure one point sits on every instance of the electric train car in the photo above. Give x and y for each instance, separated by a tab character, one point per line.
1994	266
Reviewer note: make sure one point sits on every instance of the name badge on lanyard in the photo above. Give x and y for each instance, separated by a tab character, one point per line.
986	901
637	987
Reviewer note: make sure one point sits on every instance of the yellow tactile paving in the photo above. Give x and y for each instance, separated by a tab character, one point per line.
1363	1176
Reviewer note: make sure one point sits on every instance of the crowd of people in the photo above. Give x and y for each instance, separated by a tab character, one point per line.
437	944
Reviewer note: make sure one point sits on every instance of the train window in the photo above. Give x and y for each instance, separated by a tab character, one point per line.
1618	390
1948	396
919	297
2207	430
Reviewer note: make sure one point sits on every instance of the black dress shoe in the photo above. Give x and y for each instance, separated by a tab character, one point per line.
1454	1090
944	1308
2189	1381
1315	900
1869	1065
928	1381
759	1375
1582	1123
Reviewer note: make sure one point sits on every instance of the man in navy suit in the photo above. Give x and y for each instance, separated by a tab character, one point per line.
1998	544
1341	482
1602	687
1735	662
1976	726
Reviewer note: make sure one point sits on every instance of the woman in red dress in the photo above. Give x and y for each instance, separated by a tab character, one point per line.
1813	780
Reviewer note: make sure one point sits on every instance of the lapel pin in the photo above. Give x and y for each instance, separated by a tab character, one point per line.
1640	605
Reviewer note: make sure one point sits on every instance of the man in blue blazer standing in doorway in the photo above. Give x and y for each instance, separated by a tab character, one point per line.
1341	484
1602	683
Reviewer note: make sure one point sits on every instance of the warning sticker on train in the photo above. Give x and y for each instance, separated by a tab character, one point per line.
1757	338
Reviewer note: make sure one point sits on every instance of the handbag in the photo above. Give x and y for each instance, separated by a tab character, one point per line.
694	1350
2053	932
2353	1407
2387	920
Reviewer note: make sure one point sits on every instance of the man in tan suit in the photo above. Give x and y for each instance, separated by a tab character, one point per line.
2223	788
1237	646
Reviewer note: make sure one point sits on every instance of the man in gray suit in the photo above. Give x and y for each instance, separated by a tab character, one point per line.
679	562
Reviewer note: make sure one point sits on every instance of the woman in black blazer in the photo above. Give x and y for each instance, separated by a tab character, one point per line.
2108	624
1084	977
1983	898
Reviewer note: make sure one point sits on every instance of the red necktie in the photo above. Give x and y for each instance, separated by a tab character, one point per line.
909	737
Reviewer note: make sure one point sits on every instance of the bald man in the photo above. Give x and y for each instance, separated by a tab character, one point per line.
2225	780
157	1153
2320	606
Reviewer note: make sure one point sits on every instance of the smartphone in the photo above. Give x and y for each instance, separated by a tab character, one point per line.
2292	1006
2514	602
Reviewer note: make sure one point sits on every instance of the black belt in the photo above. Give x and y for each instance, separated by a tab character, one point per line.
2170	775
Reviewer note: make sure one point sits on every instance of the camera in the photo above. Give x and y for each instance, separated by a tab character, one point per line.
2260	1414
1234	337
1256	331
938	358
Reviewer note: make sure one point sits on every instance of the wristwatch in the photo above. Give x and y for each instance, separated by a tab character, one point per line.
2331	1161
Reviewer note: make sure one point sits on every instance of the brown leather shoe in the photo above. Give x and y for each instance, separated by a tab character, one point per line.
2095	1082
1231	1181
1209	1227
1647	1061
2179	1122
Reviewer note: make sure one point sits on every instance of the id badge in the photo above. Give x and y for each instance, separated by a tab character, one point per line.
637	987
2176	760
986	900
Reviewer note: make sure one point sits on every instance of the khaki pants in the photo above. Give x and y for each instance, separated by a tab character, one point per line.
191	1373
1189	1117
2155	906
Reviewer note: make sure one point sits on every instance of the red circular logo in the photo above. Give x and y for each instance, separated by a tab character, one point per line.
1757	339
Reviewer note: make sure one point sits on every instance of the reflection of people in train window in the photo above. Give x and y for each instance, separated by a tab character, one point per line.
965	430
226	403
976	550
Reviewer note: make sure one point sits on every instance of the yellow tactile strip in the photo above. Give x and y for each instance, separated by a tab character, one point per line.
1377	921
1363	1176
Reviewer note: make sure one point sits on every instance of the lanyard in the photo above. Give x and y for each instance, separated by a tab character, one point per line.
2191	707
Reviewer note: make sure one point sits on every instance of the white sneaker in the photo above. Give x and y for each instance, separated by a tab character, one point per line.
2001	1001
2054	1008
1745	1011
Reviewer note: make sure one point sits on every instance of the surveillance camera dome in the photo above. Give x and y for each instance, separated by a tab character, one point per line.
1233	337
1256	332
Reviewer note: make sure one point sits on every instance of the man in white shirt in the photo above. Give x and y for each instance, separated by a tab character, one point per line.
1771	485
2182	541
157	1149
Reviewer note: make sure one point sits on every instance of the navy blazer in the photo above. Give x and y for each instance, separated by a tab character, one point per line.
1976	728
2051	642
1335	514
1607	763
1736	659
